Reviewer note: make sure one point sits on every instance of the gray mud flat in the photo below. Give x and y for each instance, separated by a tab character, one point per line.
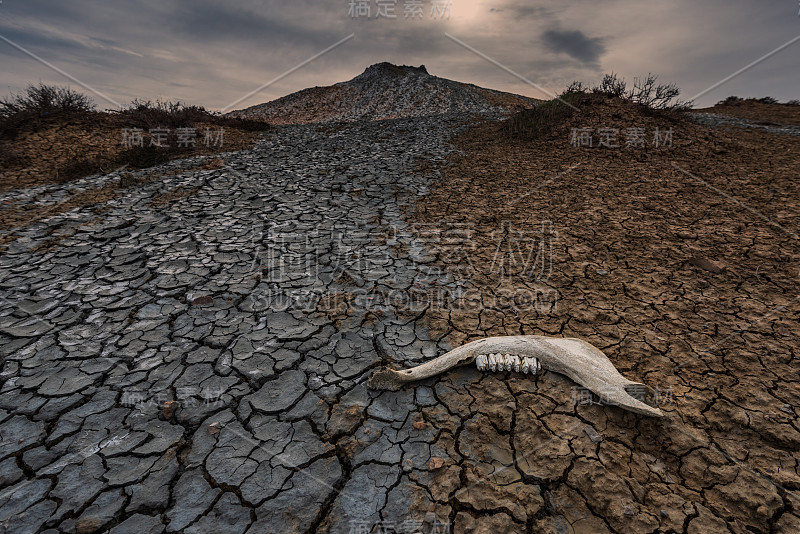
198	365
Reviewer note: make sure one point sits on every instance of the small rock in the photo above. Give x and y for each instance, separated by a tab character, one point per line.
216	163
169	409
602	272
593	434
629	510
707	264
419	425
786	408
205	300
436	463
761	510
664	514
213	429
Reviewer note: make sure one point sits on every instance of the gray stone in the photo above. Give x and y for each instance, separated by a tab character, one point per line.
19	433
193	497
296	508
376	442
230	462
227	516
279	394
163	435
101	511
18	498
392	405
153	492
31	519
205	438
593	434
27	328
139	524
79	484
127	469
363	496
54	407
264	483
286	327
10	472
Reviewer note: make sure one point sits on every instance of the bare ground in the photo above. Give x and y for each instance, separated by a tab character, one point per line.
680	263
88	144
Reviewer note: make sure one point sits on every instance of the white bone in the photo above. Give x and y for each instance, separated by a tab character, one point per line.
512	362
529	365
575	358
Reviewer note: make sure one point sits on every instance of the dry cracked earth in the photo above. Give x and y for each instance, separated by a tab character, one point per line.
191	355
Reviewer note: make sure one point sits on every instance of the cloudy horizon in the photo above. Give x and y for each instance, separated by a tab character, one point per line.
213	54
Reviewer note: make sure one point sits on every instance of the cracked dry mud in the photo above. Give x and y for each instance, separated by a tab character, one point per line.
191	356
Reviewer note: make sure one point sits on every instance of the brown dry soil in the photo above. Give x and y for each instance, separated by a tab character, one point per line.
44	156
773	114
681	263
85	145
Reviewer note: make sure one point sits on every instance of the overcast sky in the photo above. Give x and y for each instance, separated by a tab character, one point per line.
213	53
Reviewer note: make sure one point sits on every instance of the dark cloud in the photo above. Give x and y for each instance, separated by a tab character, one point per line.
531	11
212	52
214	22
523	10
575	44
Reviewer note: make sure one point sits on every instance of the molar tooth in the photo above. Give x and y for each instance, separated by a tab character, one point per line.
578	359
511	362
530	365
526	365
515	363
482	362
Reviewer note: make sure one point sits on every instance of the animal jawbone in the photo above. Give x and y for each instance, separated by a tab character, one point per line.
574	358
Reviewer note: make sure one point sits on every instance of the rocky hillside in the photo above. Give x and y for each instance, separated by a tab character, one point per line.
384	91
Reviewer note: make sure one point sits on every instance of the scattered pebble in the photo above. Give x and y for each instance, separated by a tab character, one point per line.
593	434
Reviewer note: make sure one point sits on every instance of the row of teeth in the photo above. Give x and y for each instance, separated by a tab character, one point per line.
507	362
